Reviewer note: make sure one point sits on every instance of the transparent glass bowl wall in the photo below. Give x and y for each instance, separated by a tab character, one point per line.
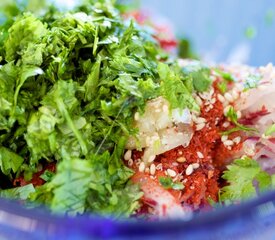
254	219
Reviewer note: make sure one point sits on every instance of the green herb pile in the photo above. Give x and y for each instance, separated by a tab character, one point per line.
69	85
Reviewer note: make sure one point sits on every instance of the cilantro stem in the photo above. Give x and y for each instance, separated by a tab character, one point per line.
63	110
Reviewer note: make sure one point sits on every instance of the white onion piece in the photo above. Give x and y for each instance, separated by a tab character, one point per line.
161	130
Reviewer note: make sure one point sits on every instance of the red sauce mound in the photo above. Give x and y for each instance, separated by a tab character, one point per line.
206	156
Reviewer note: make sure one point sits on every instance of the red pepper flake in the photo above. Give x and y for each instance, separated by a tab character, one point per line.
36	180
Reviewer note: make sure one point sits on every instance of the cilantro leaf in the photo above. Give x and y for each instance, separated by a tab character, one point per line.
252	81
21	193
233	117
168	183
241	176
270	130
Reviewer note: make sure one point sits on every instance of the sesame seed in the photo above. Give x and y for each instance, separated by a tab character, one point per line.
200	155
130	162
239	114
198	100
213	100
237	140
151	158
180	152
226	124
235	94
200	126
228	143
221	98
196	165
189	170
147	170
136	116
181	159
171	173
127	155
159	166
228	97
141	167
200	120
153	169
229	147
224	138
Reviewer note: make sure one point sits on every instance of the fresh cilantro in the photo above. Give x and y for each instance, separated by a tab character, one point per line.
47	176
173	88
244	176
225	75
21	193
222	87
200	76
270	130
69	85
168	183
233	117
252	81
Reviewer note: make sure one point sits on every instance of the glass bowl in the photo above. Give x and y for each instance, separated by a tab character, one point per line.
254	219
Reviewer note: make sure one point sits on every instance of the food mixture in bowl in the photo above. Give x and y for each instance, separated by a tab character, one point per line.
96	117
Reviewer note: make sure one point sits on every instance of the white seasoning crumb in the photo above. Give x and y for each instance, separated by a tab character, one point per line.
141	167
128	155
200	155
224	138
153	169
189	170
228	143
171	173
151	158
196	165
237	140
200	126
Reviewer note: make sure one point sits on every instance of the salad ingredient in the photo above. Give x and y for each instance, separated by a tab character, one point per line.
245	177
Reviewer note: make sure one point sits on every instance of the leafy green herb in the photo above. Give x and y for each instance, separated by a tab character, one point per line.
69	85
225	75
242	175
21	193
270	130
252	81
222	86
233	117
168	183
47	175
200	76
